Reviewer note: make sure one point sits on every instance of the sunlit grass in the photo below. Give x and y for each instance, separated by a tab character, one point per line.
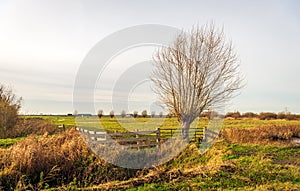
131	124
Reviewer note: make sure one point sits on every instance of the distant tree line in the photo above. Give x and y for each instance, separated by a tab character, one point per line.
208	114
135	114
263	115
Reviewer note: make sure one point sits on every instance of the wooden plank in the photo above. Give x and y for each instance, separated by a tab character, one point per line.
135	139
142	145
132	133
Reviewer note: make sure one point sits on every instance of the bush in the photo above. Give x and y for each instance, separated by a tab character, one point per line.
9	107
262	135
267	116
31	126
291	116
235	115
281	115
249	115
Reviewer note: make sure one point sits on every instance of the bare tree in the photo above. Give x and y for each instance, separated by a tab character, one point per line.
161	114
100	113
75	113
123	113
144	113
153	114
112	114
198	71
135	114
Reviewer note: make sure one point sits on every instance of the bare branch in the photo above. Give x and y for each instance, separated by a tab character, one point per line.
198	71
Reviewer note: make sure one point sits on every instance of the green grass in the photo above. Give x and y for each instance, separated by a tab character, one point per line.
8	142
243	167
118	124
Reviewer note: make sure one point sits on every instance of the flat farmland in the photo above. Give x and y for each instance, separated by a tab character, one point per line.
131	124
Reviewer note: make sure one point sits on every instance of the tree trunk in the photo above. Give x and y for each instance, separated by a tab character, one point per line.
185	129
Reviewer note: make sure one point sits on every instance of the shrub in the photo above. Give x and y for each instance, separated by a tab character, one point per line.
281	115
9	107
291	116
262	135
135	114
267	116
31	126
235	115
249	115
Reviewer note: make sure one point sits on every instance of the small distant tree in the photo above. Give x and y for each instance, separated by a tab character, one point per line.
144	113
153	114
75	113
169	115
135	114
100	113
161	114
123	113
9	107
112	114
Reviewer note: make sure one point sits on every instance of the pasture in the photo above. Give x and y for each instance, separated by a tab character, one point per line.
118	124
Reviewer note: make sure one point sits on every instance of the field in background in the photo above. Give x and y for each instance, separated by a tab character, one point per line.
131	124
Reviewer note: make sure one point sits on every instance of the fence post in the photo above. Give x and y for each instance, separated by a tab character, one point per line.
204	131
137	141
158	137
95	133
171	133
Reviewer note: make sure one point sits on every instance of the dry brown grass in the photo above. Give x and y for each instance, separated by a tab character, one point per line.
55	160
273	134
31	126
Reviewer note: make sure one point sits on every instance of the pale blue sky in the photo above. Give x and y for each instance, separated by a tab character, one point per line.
42	44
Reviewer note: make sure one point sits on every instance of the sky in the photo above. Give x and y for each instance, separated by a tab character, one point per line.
43	44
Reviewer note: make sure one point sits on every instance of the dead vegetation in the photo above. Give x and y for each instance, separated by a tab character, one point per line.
31	126
273	134
55	160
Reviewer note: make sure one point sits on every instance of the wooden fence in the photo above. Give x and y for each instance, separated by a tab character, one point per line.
142	139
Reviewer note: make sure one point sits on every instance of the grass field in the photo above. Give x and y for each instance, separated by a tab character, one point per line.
62	161
112	124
